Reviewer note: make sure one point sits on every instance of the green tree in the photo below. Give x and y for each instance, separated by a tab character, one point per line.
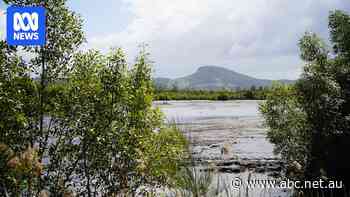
90	117
314	115
288	127
106	137
50	63
111	119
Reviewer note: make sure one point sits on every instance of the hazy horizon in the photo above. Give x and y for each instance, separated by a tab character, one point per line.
224	67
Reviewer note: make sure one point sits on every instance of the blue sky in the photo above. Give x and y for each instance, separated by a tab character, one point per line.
255	37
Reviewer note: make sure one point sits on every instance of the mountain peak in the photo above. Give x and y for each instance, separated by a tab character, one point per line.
211	68
214	78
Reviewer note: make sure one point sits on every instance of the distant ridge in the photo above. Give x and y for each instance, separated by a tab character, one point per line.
214	78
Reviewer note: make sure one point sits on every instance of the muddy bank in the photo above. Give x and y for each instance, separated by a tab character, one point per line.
228	137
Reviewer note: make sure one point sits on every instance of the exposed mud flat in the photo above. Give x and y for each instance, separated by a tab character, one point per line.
227	137
223	133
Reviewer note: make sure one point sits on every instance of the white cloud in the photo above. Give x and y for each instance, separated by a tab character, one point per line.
258	37
2	24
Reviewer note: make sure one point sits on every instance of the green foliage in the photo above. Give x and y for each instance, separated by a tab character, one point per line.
161	156
288	127
340	29
18	95
310	122
312	48
105	129
90	117
110	126
221	95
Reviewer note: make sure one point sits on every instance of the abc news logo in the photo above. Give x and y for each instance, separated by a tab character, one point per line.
29	29
26	26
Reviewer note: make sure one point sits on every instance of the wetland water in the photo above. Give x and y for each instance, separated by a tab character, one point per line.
229	138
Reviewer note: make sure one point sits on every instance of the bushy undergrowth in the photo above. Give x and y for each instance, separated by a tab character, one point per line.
80	122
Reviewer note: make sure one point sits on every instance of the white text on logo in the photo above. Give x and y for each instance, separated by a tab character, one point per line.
32	24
